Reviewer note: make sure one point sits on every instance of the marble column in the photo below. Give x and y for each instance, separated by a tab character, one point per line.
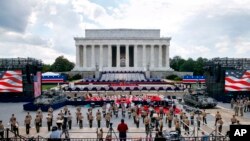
85	56
109	56
144	56
118	58
167	56
160	56
152	56
135	56
77	56
127	55
93	56
101	57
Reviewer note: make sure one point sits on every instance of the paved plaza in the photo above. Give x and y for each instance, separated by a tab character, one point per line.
6	109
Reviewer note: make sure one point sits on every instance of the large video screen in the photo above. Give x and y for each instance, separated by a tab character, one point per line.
11	81
37	84
237	80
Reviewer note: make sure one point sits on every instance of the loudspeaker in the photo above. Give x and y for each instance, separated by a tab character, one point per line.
27	68
218	76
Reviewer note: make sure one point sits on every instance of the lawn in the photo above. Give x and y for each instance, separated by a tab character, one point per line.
47	87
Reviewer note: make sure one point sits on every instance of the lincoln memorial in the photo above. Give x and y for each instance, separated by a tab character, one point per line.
122	50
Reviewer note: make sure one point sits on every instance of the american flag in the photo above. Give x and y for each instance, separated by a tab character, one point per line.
37	84
11	81
237	80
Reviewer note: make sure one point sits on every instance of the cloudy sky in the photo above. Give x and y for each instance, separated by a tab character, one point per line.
44	29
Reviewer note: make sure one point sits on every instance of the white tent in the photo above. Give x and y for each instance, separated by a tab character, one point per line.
50	74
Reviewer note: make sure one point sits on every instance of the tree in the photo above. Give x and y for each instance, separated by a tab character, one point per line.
188	65
199	65
62	64
46	67
176	62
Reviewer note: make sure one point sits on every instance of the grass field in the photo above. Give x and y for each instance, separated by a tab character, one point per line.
47	87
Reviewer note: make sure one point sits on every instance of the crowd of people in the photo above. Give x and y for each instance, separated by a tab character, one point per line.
152	120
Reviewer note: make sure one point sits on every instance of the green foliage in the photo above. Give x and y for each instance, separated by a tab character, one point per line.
173	77
189	65
62	64
75	77
176	62
46	68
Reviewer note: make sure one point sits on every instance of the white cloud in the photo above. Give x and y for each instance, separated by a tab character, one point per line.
206	28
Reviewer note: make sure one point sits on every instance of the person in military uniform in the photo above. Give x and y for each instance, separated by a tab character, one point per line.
137	120
108	118
217	117
37	123
220	122
134	115
80	118
186	121
40	115
91	117
192	118
236	109
129	112
1	130
70	120
104	110
27	122
241	108
147	123
204	117
78	112
198	120
232	103
178	127
161	112
99	133
233	119
49	121
115	110
170	118
161	124
65	108
12	119
98	118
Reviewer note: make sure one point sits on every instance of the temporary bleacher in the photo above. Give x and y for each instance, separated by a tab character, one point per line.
123	76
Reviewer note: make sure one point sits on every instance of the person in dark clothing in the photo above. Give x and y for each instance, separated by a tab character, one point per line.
159	137
122	128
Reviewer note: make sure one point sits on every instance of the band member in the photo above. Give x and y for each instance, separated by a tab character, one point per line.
107	117
40	115
146	123
70	121
98	118
49	121
80	118
37	123
1	130
27	122
78	112
233	119
91	117
198	119
220	122
12	119
217	117
204	117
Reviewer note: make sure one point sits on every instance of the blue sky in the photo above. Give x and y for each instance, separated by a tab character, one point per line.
44	29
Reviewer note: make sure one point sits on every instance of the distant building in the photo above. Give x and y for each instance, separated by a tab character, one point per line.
122	50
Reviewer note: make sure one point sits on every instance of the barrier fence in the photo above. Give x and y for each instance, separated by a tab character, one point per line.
12	136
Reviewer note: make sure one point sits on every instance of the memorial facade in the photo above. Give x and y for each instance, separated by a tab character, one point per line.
122	49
